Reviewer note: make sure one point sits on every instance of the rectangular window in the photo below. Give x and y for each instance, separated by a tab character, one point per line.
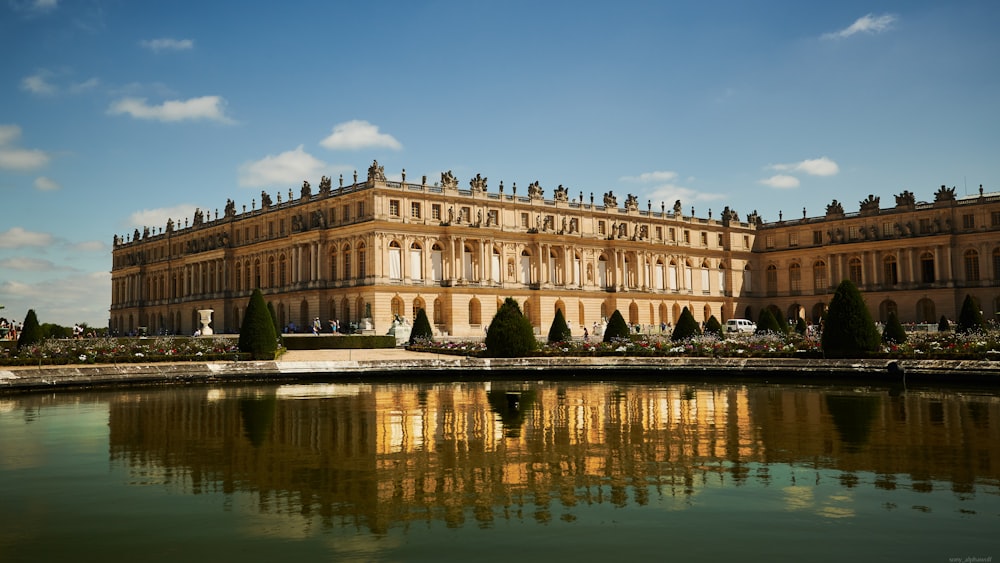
746	241
281	227
524	220
817	237
659	233
415	209
394	208
687	237
721	241
887	229
361	209
852	232
436	211
968	221
673	234
925	226
270	229
793	239
769	241
704	239
995	218
333	215
601	229
346	215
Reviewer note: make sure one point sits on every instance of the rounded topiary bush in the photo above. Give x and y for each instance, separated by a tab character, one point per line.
713	327
559	331
510	334
767	323
849	330
686	326
971	317
31	331
616	328
893	333
421	328
257	336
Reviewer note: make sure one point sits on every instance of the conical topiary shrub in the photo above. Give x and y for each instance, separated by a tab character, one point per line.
713	327
616	328
559	331
686	326
943	324
767	323
257	336
849	330
274	320
800	326
31	331
510	334
893	333
971	317
421	328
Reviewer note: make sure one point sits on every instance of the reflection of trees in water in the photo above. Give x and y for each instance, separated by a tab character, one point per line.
511	406
257	414
852	417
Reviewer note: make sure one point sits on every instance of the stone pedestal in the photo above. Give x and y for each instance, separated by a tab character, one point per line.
205	316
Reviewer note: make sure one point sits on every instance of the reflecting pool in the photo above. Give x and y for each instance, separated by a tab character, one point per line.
498	471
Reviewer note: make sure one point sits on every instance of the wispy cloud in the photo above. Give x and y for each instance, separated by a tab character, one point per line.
822	166
25	264
44	184
647	177
869	24
780	181
158	217
18	237
63	300
15	158
34	7
288	168
209	108
167	44
39	84
359	134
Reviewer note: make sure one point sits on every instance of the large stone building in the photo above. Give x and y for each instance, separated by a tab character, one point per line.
366	252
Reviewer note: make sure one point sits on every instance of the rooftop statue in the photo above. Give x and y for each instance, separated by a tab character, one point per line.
448	180
306	190
376	173
610	201
478	184
835	208
325	184
631	203
677	207
869	206
906	199
535	190
945	194
561	194
265	200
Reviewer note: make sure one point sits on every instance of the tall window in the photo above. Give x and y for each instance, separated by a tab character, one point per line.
890	271
819	276
772	280
361	262
854	271
347	263
415	209
394	207
795	277
436	211
968	221
996	263
927	267
971	265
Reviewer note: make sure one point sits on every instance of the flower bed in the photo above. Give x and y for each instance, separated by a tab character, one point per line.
123	350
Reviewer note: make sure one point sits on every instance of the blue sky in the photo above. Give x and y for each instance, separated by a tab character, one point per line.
116	115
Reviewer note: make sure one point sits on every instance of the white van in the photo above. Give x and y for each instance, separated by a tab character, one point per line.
740	325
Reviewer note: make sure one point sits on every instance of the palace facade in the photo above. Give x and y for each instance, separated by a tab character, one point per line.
366	252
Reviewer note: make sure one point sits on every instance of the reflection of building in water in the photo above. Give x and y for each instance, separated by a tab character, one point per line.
379	455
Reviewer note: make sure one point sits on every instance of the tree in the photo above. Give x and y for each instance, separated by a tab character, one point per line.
257	336
971	317
510	334
559	331
893	333
943	324
767	323
800	326
31	331
274	320
421	328
616	328
713	327
686	326
849	330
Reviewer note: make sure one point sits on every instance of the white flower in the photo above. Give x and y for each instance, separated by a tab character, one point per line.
83	357
620	349
139	355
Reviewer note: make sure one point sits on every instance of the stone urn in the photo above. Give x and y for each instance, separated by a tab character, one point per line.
205	316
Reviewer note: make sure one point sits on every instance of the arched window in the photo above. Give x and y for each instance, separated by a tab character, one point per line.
475	317
723	286
437	269
416	262
270	271
602	271
525	267
333	265
362	262
890	271
282	271
854	271
795	278
395	261
348	274
747	280
971	265
706	283
772	280
659	276
495	269
819	275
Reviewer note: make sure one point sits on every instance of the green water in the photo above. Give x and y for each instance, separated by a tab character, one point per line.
501	471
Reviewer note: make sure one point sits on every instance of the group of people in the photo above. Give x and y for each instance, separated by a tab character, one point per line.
9	330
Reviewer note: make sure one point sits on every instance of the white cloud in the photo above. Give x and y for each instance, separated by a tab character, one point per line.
167	44
158	217
91	246
647	177
780	181
17	237
210	108
79	87
870	24
287	168
45	184
9	133
822	166
39	84
27	264
66	300
359	134
22	159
